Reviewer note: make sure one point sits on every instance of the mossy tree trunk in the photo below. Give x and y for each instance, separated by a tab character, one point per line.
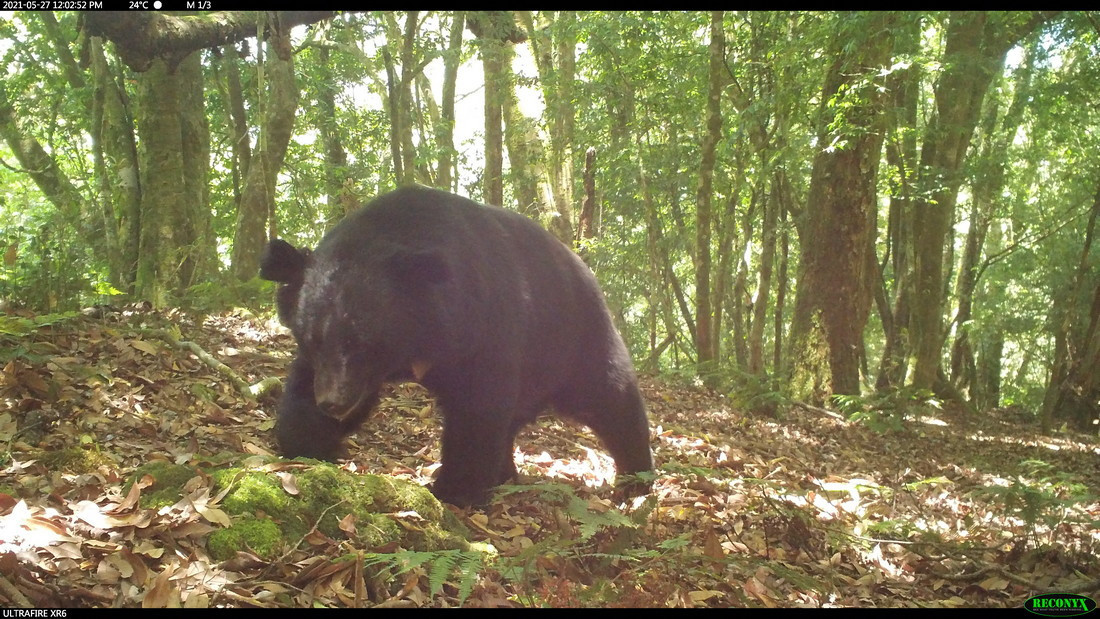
975	47
494	30
258	197
833	301
704	214
163	197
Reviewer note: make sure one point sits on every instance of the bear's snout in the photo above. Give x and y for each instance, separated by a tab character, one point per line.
332	409
333	396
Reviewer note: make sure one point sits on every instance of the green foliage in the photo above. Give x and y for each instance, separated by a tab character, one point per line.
440	565
20	326
602	538
892	529
764	395
222	292
886	411
589	521
44	264
1041	499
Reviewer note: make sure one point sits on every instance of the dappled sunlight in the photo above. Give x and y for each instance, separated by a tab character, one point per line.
1052	443
596	469
252	331
932	421
24	529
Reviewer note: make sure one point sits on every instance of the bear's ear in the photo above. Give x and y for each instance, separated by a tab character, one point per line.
282	262
418	267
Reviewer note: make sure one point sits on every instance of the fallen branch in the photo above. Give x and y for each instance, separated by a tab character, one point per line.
1085	586
13	594
241	385
823	411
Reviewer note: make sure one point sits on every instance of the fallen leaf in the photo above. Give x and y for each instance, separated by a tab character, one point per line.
145	347
289	482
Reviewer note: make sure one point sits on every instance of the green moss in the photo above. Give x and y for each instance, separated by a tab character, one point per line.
266	517
168	481
810	374
76	460
258	535
371	499
251	491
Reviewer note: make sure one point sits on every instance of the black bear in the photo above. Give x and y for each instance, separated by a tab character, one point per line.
496	317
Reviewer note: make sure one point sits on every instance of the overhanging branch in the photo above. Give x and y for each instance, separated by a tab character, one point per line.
142	37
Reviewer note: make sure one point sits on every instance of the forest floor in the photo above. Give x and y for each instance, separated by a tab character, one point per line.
797	509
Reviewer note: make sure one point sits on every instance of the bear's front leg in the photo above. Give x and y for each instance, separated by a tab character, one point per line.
476	453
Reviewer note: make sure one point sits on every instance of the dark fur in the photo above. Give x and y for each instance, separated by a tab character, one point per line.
508	319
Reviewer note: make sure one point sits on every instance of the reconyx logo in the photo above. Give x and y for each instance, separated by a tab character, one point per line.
1060	605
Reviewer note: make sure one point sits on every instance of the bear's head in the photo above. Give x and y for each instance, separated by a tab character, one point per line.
361	316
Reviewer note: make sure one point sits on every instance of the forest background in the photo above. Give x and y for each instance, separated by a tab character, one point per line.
847	250
809	204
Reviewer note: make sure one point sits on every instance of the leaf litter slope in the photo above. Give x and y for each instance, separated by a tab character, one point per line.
803	509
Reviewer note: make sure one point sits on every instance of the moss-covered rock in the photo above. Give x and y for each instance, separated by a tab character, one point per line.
260	535
78	460
167	486
266	517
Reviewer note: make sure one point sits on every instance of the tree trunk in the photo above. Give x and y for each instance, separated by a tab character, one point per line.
763	289
494	31
586	225
654	236
120	189
340	195
524	150
400	93
973	50
987	187
492	53
163	198
704	339
258	199
832	301
405	101
197	243
1073	392
727	233
242	148
393	106
991	338
739	303
785	196
555	61
562	123
445	130
901	155
987	393
39	165
60	42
